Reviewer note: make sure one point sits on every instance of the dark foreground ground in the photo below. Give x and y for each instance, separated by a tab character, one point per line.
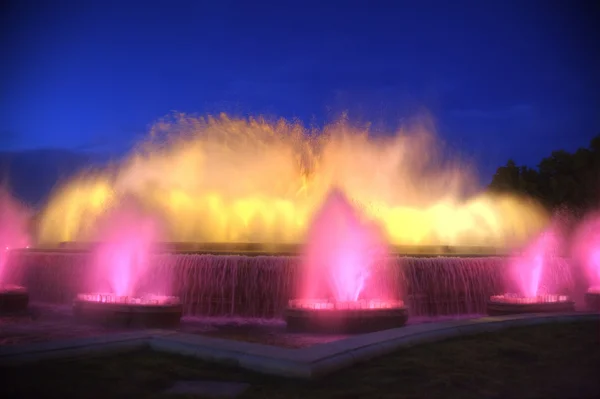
551	361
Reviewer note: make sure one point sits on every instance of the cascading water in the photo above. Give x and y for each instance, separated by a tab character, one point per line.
261	286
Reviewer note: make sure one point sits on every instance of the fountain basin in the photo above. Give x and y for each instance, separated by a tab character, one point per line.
592	298
507	304
13	299
124	311
323	316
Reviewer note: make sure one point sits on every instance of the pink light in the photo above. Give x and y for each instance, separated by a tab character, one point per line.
12	288
529	300
323	304
594	290
586	248
127	300
122	258
341	251
14	219
526	270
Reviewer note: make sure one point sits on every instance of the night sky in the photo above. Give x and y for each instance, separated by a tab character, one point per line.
503	79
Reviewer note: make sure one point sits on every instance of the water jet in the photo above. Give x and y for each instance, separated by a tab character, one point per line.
587	252
122	261
526	272
342	253
14	217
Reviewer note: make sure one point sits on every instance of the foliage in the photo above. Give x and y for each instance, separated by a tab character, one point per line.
562	180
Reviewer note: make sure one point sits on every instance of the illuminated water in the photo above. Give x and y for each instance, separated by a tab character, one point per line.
526	270
586	250
341	253
121	260
228	180
261	286
14	219
539	273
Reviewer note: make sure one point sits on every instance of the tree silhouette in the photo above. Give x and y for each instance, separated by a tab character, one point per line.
563	179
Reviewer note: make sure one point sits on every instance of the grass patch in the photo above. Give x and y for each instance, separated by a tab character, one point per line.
547	361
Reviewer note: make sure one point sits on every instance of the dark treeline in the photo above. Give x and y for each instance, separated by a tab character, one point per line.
562	180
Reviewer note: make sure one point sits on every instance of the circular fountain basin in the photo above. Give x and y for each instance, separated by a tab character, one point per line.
323	316
151	311
13	299
592	298
507	304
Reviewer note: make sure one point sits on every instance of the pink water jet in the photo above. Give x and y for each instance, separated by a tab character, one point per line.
125	292
586	250
122	257
527	268
342	250
526	271
14	221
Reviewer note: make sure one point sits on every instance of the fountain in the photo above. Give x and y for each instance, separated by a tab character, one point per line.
13	234
121	261
222	180
526	272
341	254
221	184
586	251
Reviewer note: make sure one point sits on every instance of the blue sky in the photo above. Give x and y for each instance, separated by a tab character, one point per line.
502	78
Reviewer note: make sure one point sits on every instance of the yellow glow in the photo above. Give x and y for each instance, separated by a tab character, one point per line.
226	180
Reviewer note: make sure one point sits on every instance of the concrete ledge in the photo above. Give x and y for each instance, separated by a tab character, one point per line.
74	348
265	359
363	348
305	363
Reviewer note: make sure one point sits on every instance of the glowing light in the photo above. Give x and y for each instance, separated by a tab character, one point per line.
143	300
594	290
526	269
323	304
121	260
340	252
14	220
515	299
586	248
223	180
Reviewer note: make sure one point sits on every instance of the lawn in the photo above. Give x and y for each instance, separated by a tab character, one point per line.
548	361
